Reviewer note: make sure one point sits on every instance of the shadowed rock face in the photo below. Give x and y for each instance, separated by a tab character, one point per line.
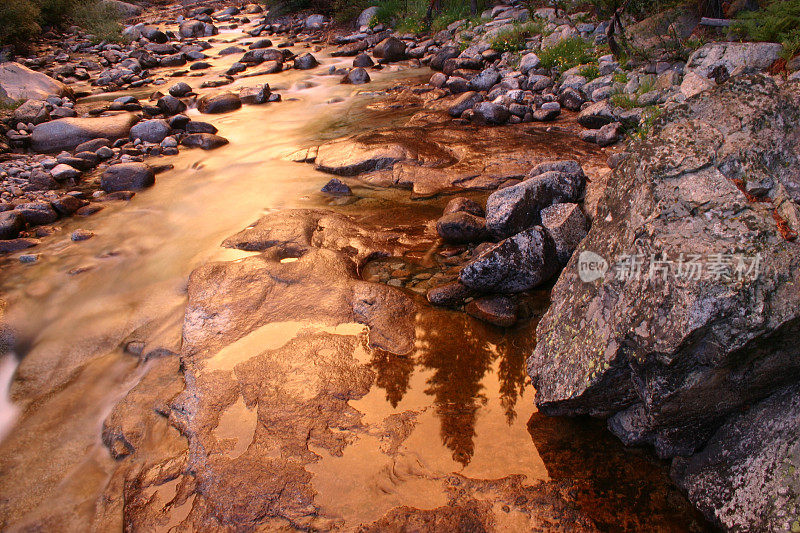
747	475
669	357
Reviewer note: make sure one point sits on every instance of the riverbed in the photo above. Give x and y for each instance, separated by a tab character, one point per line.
447	422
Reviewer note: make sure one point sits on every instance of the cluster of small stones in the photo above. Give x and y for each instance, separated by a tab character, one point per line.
498	88
484	85
38	189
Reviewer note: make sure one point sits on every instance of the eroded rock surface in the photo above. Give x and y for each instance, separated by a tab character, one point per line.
438	158
669	354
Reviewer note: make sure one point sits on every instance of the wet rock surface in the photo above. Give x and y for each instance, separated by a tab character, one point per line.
68	133
689	351
440	158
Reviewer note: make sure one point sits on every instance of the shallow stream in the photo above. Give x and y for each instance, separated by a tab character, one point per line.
73	312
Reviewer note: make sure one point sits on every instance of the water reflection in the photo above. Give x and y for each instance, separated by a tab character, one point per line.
619	488
393	374
457	352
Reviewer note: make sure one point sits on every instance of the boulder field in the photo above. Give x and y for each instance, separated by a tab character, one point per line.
685	336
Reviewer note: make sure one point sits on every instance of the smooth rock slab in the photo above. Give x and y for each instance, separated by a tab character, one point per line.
18	82
67	133
206	141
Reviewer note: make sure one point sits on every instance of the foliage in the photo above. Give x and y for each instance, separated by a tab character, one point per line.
778	21
405	15
623	100
566	54
635	8
513	38
10	105
22	19
628	101
55	12
100	20
589	72
620	77
649	116
18	20
453	11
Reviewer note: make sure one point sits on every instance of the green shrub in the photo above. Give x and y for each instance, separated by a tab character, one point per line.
566	54
513	39
456	10
98	19
590	72
22	19
650	115
623	100
637	8
18	20
778	21
56	12
628	101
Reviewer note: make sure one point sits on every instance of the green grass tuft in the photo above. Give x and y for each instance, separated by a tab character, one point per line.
514	39
567	54
100	20
590	72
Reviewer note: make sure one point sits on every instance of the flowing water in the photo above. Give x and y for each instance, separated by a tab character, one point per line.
73	311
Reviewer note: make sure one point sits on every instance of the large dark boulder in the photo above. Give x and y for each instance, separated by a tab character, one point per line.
305	62
746	477
218	103
127	177
513	209
461	227
516	264
390	49
695	312
151	131
11	223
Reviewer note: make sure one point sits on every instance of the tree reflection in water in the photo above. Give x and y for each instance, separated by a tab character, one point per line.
393	373
460	351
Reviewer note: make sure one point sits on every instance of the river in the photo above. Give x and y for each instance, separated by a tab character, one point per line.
73	313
